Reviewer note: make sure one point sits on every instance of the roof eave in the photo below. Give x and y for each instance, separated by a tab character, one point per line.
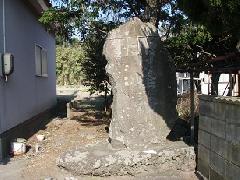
38	6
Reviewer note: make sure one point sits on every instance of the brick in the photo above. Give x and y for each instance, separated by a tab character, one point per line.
219	146
233	133
204	138
205	123
218	128
217	163
206	108
232	172
220	111
233	114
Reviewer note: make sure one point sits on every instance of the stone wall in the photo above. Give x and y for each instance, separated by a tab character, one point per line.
219	138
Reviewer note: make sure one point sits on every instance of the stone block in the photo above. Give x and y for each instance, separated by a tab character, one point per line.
203	168
233	133
233	114
219	146
215	176
206	108
205	123
204	138
217	163
218	128
232	172
203	160
219	111
234	153
203	154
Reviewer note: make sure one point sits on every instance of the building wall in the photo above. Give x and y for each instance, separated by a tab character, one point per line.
1	29
1	50
25	95
223	84
219	138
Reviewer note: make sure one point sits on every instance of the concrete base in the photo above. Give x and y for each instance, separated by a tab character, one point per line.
24	130
101	160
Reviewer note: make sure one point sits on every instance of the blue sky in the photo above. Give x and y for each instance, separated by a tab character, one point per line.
56	2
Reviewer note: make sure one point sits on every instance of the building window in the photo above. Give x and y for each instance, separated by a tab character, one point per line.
41	62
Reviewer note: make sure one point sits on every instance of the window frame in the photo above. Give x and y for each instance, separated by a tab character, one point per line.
42	50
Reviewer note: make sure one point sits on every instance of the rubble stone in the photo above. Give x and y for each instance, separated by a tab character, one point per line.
101	160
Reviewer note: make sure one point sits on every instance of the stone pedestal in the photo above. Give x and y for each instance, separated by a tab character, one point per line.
144	85
101	160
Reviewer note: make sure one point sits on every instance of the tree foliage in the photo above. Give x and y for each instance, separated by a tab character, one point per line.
210	30
188	46
194	45
219	16
71	15
94	64
69	65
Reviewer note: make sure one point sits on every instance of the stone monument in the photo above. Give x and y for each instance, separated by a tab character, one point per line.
144	85
144	110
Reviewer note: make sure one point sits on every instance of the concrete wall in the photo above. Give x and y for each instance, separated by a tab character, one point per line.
219	138
25	95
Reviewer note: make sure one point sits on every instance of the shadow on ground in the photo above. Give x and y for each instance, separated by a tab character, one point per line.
181	131
90	111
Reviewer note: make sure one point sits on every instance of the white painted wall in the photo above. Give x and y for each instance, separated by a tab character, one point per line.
223	85
204	83
25	95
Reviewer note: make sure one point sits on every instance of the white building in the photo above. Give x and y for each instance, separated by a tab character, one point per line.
227	85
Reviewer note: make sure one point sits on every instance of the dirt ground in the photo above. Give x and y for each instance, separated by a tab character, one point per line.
61	134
